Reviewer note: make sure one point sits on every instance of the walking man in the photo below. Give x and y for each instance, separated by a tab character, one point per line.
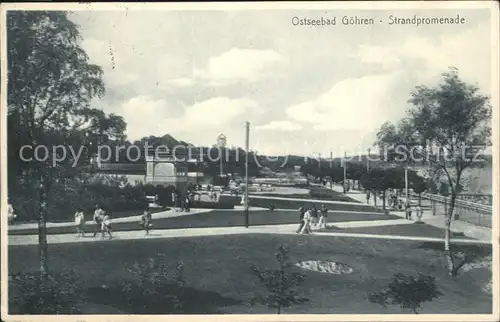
301	220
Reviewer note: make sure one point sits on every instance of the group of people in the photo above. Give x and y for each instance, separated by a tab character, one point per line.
102	222
312	217
182	202
101	218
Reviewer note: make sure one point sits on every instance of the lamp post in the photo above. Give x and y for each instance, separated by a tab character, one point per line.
345	172
247	143
368	161
406	186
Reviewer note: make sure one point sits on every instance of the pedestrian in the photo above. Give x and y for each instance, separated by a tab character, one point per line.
106	225
187	205
367	197
314	215
322	217
178	202
147	221
408	212
80	222
301	219
98	216
306	229
174	200
11	216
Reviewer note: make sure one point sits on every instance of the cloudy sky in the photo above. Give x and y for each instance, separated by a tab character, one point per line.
305	90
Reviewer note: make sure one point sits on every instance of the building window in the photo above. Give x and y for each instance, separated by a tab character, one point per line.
181	171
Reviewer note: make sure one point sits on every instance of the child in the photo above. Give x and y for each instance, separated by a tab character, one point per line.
80	222
147	221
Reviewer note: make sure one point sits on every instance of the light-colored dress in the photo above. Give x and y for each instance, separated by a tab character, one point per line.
79	219
307	222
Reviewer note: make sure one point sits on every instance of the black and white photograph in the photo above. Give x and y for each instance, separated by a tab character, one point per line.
270	160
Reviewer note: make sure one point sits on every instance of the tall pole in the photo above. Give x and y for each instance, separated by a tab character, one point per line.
406	186
368	161
319	160
247	143
331	159
221	172
345	172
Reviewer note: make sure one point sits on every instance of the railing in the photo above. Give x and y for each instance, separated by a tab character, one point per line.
475	213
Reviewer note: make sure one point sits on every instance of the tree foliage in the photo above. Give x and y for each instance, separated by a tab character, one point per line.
50	88
280	283
408	292
445	128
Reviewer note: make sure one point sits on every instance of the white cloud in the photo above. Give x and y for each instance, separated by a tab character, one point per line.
181	81
217	112
141	114
378	55
280	126
351	104
427	59
248	65
145	116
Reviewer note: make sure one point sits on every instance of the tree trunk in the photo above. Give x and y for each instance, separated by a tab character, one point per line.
278	310
42	227
447	251
383	200
420	199
375	198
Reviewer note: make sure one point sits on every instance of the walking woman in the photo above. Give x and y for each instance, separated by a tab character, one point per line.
106	225
306	229
322	217
98	216
80	222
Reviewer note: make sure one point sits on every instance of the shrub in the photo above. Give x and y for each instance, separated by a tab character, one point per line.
58	294
408	292
150	279
280	283
65	197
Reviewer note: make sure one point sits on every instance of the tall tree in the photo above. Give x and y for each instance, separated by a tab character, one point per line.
50	87
445	128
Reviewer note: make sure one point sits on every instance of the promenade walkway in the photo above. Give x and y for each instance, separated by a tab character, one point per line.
218	231
457	226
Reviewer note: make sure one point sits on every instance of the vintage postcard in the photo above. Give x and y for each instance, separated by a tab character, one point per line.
260	161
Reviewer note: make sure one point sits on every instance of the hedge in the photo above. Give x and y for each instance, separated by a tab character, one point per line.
63	200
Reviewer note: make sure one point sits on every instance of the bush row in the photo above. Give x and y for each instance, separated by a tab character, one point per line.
63	200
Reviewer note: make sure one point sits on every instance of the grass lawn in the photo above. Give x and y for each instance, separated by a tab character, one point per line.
219	280
295	204
317	193
217	218
414	230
